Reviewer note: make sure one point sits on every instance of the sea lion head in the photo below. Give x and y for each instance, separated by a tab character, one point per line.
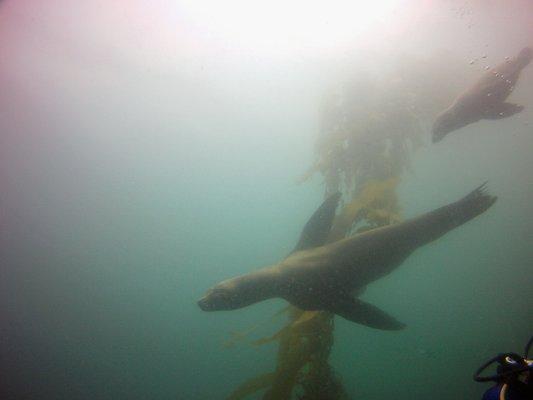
224	296
238	292
445	123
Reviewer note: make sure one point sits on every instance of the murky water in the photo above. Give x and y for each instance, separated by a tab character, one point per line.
149	150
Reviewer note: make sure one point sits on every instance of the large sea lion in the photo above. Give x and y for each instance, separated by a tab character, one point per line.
485	99
330	277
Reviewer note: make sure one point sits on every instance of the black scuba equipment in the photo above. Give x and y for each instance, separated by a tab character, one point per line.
508	364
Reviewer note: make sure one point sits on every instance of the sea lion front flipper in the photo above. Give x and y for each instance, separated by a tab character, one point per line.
503	110
364	313
316	230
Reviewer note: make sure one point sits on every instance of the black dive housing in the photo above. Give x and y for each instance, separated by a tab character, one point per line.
508	364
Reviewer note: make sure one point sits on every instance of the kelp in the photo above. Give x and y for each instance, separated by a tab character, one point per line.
362	151
305	341
364	145
300	345
238	337
376	203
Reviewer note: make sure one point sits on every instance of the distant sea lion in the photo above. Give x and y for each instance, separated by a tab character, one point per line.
484	100
330	277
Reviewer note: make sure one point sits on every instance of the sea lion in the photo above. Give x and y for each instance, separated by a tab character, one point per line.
485	99
330	277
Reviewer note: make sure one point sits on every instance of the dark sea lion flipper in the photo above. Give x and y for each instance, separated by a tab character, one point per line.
316	231
430	226
524	57
364	313
503	110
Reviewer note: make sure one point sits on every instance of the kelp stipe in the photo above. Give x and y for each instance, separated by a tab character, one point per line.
362	151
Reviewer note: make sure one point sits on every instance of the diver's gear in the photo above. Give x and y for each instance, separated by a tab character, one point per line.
509	365
514	391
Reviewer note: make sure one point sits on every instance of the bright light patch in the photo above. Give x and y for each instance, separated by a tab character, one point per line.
282	26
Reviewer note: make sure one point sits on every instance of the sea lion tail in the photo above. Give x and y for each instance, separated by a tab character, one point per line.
436	223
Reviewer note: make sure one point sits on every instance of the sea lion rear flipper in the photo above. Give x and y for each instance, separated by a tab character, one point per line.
503	110
317	229
364	313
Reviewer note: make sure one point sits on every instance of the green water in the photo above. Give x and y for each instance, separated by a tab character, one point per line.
130	185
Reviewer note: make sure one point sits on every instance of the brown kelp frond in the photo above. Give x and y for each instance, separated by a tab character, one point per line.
369	128
305	317
240	337
304	323
304	345
308	336
235	337
309	173
383	216
270	339
375	202
371	139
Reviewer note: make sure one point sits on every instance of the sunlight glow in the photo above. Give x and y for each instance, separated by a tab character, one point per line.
283	26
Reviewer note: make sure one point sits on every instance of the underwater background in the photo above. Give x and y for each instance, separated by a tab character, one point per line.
150	149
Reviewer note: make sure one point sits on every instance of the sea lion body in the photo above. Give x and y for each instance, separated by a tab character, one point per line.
316	276
485	99
330	277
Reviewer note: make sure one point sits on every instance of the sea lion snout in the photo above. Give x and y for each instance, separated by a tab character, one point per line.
224	296
212	301
203	303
